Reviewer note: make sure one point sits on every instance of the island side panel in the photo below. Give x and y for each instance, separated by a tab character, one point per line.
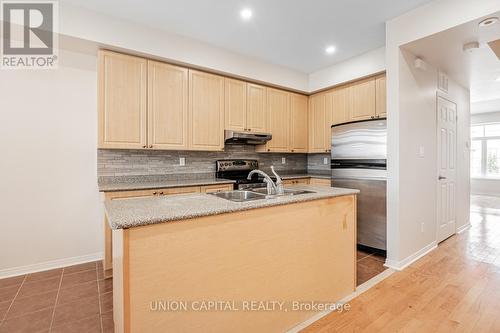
297	252
121	288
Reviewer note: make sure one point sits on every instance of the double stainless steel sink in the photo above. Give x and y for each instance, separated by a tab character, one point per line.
256	194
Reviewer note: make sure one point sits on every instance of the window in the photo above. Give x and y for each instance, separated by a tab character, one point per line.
485	150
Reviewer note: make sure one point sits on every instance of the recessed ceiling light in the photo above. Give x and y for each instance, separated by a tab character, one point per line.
246	14
498	79
489	21
330	49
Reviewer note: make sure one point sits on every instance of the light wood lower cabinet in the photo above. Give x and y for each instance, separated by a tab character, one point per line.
303	181
108	255
216	188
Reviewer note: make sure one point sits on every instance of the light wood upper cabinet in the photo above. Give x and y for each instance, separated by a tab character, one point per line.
122	101
338	105
318	124
298	123
235	104
380	97
256	108
206	111
167	106
362	100
278	113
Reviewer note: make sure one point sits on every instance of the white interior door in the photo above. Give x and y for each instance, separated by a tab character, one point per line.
447	167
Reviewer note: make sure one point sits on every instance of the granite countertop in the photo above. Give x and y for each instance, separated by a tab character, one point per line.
132	183
151	210
149	183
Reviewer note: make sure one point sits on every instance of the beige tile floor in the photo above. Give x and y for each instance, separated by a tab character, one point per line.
369	264
70	299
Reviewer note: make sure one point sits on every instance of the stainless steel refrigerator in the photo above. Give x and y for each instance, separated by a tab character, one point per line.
359	161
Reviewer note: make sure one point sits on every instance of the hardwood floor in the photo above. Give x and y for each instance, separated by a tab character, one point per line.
455	288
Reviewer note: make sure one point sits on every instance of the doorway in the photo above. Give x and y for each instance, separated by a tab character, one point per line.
447	168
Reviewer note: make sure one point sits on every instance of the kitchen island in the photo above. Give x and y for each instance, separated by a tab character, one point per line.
199	263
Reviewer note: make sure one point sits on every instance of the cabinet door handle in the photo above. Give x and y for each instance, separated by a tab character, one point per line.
155	193
150	146
144	146
161	193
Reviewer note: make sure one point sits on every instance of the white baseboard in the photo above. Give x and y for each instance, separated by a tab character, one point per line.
400	265
21	270
359	290
463	228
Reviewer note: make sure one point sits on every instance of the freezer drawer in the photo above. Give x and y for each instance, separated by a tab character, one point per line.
372	215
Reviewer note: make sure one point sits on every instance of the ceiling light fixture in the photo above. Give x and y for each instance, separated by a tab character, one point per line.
330	49
246	14
489	21
469	47
498	79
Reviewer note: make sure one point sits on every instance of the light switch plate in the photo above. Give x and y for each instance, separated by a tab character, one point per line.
283	160
325	160
182	161
421	151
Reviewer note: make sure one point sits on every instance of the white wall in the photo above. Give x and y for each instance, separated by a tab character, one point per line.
409	127
418	177
481	118
484	186
51	214
131	37
363	65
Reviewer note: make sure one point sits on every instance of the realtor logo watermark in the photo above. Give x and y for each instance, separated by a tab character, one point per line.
29	31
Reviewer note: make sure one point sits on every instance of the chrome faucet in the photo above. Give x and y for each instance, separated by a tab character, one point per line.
279	182
272	188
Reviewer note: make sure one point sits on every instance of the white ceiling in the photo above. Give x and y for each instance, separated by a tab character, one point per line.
477	70
291	33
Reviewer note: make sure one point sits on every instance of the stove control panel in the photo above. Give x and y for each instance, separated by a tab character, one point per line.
236	165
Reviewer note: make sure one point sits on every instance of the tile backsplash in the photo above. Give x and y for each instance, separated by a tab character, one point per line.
316	163
159	162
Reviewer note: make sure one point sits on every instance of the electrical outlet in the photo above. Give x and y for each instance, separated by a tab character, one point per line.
283	160
182	161
422	226
325	160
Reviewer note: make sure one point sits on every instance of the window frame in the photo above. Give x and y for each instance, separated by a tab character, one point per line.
484	150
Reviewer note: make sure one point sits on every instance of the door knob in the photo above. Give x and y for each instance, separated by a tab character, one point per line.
441	178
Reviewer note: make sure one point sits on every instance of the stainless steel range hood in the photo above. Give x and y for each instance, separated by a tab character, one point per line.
237	137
